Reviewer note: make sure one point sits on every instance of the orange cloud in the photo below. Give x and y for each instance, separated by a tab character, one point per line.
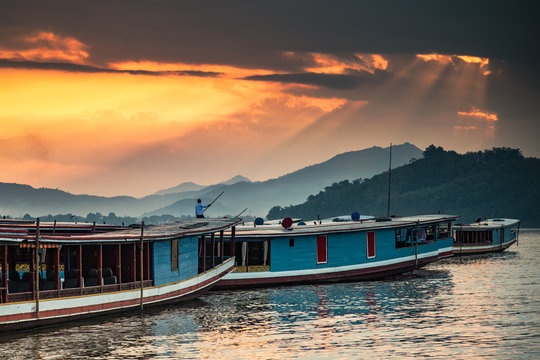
48	46
331	64
465	128
443	59
474	60
453	59
480	115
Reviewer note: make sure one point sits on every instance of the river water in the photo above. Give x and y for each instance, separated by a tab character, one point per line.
485	306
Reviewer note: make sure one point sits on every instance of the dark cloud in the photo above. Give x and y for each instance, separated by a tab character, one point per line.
255	34
336	81
13	64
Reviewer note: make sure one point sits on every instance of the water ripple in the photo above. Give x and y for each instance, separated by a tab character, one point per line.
463	307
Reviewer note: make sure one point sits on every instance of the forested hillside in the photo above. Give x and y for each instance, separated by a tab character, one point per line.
491	183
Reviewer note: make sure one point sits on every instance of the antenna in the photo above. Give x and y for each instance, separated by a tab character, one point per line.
389	177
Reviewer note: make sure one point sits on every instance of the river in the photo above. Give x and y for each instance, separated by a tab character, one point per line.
462	307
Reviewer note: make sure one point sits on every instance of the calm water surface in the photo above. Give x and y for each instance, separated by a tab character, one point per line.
468	307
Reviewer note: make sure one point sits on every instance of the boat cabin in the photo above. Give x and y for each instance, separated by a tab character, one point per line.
53	261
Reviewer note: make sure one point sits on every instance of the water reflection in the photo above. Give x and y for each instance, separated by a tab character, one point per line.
464	307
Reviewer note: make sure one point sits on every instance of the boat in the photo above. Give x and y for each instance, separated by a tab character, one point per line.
483	236
52	273
327	251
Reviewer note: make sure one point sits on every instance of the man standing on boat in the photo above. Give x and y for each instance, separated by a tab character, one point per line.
199	209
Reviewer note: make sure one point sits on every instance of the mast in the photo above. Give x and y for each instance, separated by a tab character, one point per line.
389	177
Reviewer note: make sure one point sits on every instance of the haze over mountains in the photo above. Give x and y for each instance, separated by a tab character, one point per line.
239	193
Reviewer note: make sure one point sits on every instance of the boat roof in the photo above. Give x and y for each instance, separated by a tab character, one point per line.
488	224
176	229
315	227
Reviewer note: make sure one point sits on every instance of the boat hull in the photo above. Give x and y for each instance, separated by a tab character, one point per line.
23	315
481	249
369	271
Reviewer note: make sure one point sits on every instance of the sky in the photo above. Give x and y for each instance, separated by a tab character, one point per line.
130	97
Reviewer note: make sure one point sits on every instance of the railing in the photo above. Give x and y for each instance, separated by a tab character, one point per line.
63	293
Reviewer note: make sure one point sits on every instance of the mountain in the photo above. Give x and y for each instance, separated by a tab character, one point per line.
183	187
234	180
493	183
295	187
239	193
192	187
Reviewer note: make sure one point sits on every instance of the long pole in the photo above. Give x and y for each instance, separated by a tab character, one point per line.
213	201
142	262
37	268
240	213
389	177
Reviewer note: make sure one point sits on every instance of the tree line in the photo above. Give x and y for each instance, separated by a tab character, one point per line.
492	183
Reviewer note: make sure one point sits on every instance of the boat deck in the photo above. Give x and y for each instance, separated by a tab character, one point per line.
175	229
487	224
316	226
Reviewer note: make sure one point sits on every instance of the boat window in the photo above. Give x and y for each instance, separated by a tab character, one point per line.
404	237
174	254
429	233
443	230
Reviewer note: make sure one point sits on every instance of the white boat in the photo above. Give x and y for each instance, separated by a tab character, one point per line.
484	236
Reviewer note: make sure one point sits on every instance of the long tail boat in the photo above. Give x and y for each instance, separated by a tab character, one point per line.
322	251
59	272
483	236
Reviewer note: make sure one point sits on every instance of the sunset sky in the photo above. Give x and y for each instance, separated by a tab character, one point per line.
130	97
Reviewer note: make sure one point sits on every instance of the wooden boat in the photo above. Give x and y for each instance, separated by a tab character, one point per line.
96	273
320	251
483	236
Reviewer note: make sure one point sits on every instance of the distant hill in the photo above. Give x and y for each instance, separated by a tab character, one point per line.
492	183
185	186
17	200
192	187
295	187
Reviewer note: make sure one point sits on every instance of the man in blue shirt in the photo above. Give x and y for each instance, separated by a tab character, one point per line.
199	208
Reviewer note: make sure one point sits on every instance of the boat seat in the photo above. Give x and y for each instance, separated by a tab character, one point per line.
92	278
48	284
13	281
24	285
72	280
108	277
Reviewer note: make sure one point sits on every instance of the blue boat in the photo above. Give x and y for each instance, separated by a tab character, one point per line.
484	236
321	251
72	271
